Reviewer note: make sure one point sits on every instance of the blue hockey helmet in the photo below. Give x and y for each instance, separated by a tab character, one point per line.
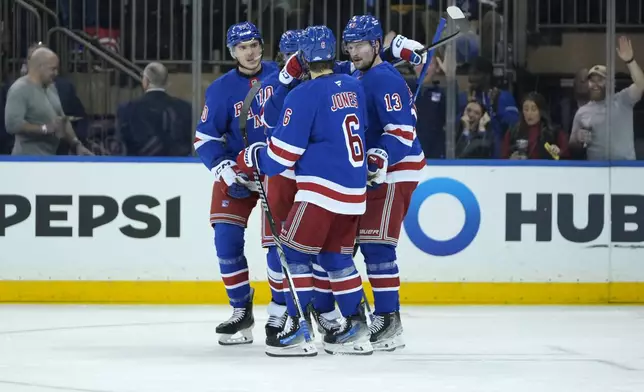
289	42
317	43
242	32
363	28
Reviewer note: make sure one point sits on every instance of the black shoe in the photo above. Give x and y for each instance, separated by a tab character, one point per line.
290	342
325	325
241	322
276	319
352	338
386	332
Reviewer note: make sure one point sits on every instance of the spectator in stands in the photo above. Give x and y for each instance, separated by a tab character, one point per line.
568	106
72	107
589	128
474	139
535	137
156	124
33	112
498	104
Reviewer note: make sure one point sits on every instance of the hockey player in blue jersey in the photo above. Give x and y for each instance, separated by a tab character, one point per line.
394	161
280	191
217	143
320	134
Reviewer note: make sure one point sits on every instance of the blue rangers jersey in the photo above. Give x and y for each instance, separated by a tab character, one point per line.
392	122
273	104
321	135
217	136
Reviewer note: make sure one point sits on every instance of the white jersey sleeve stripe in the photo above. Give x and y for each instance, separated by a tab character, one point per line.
287	147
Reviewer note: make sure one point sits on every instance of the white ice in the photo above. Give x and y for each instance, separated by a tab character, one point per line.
174	348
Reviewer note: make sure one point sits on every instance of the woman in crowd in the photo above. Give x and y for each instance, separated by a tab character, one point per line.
535	137
475	139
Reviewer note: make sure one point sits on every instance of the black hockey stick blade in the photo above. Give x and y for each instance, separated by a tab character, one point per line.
248	101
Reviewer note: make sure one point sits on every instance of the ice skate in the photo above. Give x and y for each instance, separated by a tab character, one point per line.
290	342
276	320
352	338
238	329
386	332
326	322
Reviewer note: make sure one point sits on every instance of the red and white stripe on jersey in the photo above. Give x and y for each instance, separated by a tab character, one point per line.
275	280
283	153
202	138
288	173
389	282
403	133
346	285
235	279
408	169
321	283
331	196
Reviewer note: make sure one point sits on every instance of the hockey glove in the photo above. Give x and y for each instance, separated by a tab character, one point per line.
237	184
248	158
293	69
405	48
376	167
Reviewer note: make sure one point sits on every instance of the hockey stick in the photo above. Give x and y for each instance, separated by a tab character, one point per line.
245	110
430	55
458	17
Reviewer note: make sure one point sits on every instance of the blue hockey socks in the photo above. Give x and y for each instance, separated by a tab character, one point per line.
275	275
323	299
345	281
383	276
229	244
301	271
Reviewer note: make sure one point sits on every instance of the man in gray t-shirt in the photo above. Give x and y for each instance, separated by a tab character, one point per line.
589	125
33	111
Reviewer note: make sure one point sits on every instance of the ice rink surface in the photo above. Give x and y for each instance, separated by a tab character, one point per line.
449	348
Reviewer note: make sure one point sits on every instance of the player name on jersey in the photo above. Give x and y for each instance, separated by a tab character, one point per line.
342	100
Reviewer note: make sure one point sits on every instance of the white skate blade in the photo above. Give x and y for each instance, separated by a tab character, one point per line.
296	350
360	347
395	343
245	336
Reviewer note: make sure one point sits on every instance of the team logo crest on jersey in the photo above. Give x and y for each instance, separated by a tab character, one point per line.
225	203
204	113
322	44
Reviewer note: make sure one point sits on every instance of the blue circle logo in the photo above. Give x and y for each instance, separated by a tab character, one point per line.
472	217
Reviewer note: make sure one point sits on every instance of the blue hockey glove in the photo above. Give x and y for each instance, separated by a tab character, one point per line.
377	159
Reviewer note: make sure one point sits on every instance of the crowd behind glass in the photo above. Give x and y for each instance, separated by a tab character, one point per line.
496	114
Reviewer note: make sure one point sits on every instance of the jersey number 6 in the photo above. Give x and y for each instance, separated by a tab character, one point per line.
354	141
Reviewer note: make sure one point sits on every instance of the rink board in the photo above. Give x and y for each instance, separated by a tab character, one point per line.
124	231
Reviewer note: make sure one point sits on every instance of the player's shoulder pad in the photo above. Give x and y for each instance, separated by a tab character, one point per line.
384	79
221	82
270	66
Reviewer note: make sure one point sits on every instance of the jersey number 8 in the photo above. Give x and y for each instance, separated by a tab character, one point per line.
355	146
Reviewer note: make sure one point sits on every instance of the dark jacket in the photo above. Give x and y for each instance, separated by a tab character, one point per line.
156	124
